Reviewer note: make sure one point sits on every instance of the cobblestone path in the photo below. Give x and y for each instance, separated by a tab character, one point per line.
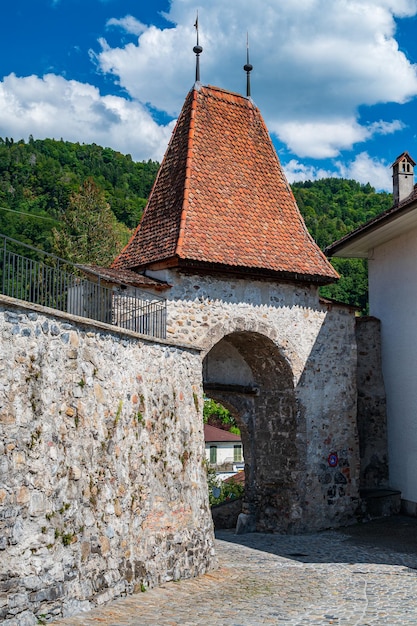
362	575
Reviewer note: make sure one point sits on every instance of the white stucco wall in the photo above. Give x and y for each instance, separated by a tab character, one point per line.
225	451
393	299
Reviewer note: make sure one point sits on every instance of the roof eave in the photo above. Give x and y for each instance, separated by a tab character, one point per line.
255	272
377	231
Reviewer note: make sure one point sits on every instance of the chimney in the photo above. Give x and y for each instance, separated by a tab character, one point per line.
402	177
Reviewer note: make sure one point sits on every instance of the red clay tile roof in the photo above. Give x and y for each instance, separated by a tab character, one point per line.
123	277
237	479
221	197
211	434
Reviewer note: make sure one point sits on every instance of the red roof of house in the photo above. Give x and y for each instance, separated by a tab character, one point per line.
221	198
237	479
211	434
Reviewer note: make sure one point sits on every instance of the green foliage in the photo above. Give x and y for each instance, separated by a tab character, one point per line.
67	538
38	178
333	207
227	491
217	415
213	409
48	189
89	231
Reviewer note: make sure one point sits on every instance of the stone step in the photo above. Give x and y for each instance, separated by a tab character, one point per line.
380	502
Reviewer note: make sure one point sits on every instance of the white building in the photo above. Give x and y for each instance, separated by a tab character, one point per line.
223	451
389	242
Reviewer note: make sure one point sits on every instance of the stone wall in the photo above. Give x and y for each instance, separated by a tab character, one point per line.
372	417
102	485
300	433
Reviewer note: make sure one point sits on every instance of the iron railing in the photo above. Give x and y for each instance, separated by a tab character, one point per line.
45	279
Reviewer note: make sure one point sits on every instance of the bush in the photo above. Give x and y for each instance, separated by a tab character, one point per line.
220	491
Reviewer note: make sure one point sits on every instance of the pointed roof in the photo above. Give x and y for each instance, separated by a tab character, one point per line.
404	156
221	199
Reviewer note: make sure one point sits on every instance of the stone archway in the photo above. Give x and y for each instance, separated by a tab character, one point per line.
247	372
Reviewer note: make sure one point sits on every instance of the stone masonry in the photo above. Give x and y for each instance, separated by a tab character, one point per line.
103	486
372	416
300	354
102	482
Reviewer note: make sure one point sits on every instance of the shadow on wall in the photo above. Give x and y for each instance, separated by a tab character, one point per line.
225	515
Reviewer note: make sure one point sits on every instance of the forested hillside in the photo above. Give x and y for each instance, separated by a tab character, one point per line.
332	207
43	182
82	202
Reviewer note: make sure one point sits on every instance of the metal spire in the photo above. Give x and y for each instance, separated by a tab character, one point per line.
247	67
197	50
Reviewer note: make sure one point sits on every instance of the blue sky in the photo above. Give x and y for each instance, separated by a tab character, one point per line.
335	81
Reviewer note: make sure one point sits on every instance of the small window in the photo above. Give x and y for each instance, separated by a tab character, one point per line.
237	453
213	454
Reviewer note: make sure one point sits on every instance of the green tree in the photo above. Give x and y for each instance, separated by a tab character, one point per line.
90	232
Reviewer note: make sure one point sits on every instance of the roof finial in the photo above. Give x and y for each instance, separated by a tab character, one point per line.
247	67
197	50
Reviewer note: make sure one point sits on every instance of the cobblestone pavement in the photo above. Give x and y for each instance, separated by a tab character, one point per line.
360	575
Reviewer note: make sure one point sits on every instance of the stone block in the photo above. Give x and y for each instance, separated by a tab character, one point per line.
48	594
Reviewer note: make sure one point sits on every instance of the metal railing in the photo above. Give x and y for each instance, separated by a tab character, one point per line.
45	279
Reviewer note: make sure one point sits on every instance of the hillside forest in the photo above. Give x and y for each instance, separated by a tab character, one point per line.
82	202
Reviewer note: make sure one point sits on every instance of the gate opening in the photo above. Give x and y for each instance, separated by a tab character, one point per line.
247	373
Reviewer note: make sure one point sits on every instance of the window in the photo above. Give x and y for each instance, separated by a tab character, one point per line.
237	453
213	454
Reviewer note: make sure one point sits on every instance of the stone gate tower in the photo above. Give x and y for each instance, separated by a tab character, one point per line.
223	230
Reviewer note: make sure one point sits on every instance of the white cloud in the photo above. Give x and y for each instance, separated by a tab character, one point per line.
158	71
128	23
366	169
362	168
300	172
385	128
54	107
315	62
318	139
321	140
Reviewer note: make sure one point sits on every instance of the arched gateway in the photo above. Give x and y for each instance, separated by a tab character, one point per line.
246	372
222	234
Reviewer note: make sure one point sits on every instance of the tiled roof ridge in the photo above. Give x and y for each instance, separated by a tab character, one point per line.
229	96
213	433
118	261
248	102
307	234
404	154
190	144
